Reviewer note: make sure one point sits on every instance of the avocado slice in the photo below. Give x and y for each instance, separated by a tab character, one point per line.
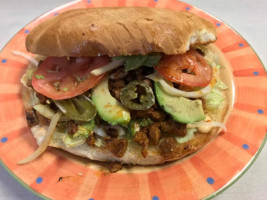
180	109
108	108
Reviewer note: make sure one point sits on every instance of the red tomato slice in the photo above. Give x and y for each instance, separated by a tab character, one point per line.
171	67
60	78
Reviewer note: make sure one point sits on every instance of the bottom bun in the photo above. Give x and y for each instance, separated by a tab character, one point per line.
133	154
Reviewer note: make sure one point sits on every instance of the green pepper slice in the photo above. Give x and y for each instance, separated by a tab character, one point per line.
137	95
80	108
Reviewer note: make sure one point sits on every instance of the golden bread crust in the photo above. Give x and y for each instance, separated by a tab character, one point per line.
119	31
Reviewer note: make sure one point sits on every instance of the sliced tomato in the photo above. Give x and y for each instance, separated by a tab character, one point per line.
173	67
62	78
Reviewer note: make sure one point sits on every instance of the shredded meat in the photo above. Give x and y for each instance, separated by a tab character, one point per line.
91	140
171	128
112	132
116	146
141	138
72	127
114	167
154	134
168	147
31	117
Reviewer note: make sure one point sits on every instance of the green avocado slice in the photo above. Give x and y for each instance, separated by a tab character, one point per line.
181	109
108	108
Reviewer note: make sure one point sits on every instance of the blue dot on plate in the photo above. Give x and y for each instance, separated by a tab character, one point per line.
245	146
4	139
26	31
256	73
218	24
3	61
55	14
210	180
187	8
91	199
260	111
88	1
39	180
241	44
155	198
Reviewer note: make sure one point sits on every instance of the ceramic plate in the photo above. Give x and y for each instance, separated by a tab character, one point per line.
55	175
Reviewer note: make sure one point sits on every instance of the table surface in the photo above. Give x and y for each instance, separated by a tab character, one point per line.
245	16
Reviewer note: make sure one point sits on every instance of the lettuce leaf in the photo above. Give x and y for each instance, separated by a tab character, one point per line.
214	99
136	125
99	142
70	141
136	61
84	130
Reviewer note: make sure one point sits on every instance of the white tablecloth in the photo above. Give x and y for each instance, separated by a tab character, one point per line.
246	16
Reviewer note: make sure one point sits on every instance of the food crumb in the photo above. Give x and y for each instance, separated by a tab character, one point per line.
60	179
114	167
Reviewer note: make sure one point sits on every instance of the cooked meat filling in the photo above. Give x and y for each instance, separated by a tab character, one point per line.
168	147
144	152
154	134
31	117
116	146
112	132
72	127
114	167
91	140
171	128
141	137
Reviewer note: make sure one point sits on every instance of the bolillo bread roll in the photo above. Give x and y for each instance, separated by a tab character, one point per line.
119	31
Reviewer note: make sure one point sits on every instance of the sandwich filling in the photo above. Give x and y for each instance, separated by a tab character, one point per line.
153	100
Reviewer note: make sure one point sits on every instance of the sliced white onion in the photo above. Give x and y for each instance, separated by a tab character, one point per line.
60	107
154	77
100	131
24	55
210	124
173	91
112	65
47	138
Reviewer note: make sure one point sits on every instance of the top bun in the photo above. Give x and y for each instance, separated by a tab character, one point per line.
119	31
